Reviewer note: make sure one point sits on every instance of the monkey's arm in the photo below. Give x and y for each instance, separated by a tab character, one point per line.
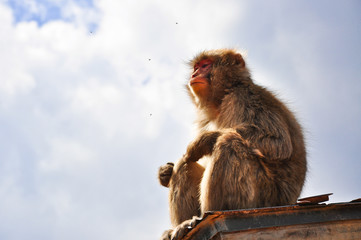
272	140
203	145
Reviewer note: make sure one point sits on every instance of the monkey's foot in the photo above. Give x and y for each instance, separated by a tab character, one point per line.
167	235
182	229
165	173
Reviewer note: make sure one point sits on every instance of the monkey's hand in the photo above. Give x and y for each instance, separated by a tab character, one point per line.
165	173
203	145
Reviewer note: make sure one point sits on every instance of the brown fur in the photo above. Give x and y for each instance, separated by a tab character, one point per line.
256	149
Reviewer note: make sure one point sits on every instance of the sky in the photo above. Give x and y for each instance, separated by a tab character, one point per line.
92	102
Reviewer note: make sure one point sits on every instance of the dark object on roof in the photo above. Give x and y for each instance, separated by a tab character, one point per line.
314	200
320	221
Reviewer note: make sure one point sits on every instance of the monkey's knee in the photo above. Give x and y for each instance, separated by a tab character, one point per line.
165	173
186	174
229	181
232	144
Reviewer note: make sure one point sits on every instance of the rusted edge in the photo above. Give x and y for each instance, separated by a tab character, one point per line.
356	200
205	226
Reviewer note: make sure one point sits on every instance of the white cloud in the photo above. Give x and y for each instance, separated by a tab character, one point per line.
15	77
66	155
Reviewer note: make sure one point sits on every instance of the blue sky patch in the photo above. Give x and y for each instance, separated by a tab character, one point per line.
42	11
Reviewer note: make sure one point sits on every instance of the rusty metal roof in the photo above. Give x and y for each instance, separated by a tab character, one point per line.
306	220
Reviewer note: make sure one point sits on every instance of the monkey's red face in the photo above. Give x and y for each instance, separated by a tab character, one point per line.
199	82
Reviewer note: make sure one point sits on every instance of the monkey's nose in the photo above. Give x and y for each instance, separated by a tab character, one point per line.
195	73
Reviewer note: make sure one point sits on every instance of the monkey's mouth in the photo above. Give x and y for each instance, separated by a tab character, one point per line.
196	81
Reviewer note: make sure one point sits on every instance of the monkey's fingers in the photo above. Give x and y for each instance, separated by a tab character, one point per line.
258	153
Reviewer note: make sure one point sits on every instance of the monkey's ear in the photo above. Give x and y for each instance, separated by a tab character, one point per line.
239	60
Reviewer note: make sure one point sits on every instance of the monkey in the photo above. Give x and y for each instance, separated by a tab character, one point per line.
251	145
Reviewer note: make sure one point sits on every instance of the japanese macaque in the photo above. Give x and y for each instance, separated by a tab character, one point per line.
251	145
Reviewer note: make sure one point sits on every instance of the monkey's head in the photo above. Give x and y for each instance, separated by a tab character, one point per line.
215	74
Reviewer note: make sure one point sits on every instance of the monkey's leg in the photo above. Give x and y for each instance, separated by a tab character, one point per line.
184	191
229	181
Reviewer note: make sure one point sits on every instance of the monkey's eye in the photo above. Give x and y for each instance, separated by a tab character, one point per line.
206	63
